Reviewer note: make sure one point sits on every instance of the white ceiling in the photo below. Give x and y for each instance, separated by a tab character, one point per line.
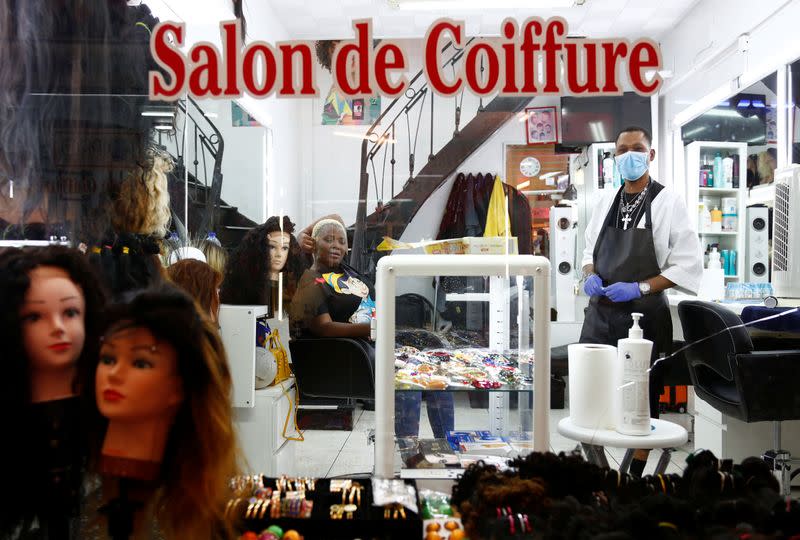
331	19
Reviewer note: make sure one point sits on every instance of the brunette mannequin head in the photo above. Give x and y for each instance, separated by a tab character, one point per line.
49	326
51	302
249	269
162	373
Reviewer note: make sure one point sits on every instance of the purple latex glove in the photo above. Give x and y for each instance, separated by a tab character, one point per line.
623	292
593	286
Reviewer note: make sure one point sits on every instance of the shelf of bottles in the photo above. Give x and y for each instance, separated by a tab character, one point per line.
716	197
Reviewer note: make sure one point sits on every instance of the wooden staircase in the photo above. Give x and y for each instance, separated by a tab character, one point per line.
394	216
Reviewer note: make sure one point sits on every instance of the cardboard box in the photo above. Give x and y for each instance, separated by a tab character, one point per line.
493	245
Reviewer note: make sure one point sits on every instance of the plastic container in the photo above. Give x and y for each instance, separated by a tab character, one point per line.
727	171
732	263
719	171
212	238
714	259
730	205
705	218
716	220
633	355
725	261
730	222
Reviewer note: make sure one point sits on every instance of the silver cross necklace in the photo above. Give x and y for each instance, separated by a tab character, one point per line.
627	208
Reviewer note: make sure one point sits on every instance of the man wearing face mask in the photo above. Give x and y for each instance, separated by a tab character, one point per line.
638	244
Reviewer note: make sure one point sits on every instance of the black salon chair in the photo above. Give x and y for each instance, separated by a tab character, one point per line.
337	368
734	378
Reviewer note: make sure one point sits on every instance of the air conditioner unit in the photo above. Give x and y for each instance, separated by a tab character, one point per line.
785	233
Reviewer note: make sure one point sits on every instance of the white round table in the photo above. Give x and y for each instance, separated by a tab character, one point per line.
664	435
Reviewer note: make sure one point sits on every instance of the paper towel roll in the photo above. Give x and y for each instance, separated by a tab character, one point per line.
593	372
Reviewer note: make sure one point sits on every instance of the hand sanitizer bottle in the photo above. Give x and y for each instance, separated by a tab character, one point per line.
633	356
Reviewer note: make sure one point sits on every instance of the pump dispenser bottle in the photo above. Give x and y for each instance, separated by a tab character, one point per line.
633	355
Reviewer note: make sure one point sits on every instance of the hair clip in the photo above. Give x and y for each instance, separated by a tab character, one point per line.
126	250
522	524
96	250
511	528
663	484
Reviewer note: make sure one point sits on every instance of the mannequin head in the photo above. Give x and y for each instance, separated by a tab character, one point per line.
201	281
158	343
137	377
249	269
50	318
278	252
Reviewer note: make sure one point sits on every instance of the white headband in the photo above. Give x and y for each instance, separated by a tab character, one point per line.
324	223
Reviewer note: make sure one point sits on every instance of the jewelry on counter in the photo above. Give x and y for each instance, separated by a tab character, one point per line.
336	511
350	508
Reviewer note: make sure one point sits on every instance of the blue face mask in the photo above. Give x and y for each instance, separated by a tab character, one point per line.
632	165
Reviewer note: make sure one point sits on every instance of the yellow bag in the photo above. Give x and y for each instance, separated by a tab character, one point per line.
281	357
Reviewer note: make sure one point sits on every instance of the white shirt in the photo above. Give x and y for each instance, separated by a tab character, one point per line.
677	246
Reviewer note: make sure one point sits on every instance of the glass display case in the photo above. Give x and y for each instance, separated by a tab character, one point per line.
472	356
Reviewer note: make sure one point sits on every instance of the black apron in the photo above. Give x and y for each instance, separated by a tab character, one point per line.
630	256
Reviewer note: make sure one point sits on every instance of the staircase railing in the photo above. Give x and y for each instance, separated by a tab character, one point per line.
205	170
379	152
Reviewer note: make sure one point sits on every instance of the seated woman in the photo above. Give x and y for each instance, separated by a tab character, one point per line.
332	298
335	300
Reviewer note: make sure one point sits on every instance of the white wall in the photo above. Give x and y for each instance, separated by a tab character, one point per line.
713	27
243	165
335	169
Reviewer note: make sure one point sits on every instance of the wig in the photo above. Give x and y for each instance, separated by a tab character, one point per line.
202	451
74	82
127	262
216	256
21	494
247	272
324	50
141	204
201	281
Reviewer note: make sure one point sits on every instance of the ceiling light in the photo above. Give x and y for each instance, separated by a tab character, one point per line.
210	115
743	103
163	127
550	175
159	111
437	5
694	131
523	185
725	113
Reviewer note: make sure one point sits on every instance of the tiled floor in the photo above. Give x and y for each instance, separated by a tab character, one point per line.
337	453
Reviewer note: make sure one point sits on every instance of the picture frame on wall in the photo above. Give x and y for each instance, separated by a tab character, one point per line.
541	125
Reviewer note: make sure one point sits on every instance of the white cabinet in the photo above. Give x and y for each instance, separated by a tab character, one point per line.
260	428
696	154
730	438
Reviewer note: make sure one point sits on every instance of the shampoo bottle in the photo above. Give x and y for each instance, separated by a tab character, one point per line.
719	172
727	170
608	170
633	355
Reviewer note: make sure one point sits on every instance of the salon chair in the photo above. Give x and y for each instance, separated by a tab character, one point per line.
737	380
337	368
